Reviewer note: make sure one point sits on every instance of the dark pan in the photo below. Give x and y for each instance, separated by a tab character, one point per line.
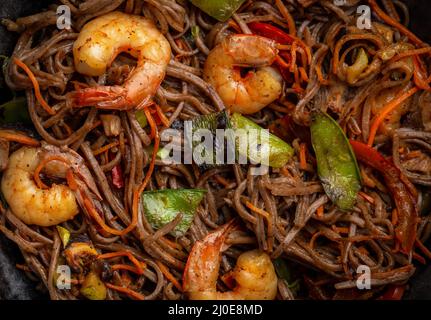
15	285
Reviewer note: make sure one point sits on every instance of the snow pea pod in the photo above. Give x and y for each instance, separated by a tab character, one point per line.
162	206
336	162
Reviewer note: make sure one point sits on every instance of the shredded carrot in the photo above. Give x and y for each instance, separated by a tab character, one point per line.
169	275
129	292
303	73
366	197
386	110
303	156
285	172
320	76
221	180
257	210
33	80
320	210
127	254
235	26
105	148
11	135
42	164
419	75
125	267
394	218
413	154
382	15
162	116
71	182
95	215
293	57
424	249
409	53
286	14
340	229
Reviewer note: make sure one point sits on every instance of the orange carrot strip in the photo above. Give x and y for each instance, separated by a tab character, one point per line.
382	15
41	165
286	14
105	148
366	197
33	80
302	156
169	275
11	135
129	292
386	110
162	116
319	211
127	254
71	182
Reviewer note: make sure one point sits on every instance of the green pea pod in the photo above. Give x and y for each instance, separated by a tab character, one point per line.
218	9
336	162
209	122
279	151
162	206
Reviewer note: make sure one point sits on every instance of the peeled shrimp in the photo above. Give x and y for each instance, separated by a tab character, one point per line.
254	272
257	89
101	40
34	205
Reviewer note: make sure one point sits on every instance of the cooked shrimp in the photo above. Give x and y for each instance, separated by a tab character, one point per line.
254	272
254	91
101	40
34	205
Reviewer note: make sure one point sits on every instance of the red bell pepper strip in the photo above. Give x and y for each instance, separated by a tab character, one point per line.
266	30
405	200
271	32
117	177
394	292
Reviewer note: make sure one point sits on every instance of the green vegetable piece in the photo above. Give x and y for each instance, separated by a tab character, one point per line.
279	151
356	69
195	31
284	272
162	206
142	119
15	111
211	122
64	235
218	9
336	162
93	288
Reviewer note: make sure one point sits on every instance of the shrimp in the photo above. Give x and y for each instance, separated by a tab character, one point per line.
101	40
257	89
254	272
44	207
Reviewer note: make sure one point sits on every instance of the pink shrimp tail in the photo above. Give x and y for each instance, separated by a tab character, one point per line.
101	97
